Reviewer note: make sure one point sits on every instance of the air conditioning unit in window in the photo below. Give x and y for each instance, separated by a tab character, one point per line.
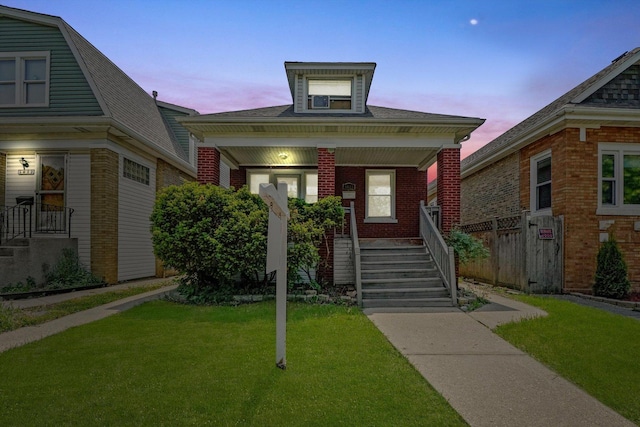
320	101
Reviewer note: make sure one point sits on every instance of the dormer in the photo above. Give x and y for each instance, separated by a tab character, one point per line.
329	87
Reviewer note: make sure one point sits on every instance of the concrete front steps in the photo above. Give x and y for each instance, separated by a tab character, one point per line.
400	273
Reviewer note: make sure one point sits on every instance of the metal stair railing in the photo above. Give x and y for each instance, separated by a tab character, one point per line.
356	252
442	254
15	221
25	218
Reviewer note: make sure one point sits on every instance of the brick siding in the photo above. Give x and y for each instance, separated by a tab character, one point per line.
492	191
411	188
574	195
208	165
104	214
449	187
237	178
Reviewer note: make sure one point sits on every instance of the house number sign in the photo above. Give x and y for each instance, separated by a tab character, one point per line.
545	233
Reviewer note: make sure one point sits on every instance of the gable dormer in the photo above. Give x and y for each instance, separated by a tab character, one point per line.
329	87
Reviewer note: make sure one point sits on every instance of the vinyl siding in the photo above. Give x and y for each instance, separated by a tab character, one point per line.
343	273
79	199
19	185
135	203
225	175
358	96
69	91
181	133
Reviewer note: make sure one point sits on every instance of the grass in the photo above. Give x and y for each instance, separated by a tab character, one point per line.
167	364
13	318
597	350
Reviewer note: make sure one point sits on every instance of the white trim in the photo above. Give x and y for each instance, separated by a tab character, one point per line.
19	81
431	142
618	150
392	174
533	183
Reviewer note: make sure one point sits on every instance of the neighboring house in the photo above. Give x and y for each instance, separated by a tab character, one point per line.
577	160
85	147
331	142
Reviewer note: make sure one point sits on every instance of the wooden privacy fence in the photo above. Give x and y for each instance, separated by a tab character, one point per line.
525	252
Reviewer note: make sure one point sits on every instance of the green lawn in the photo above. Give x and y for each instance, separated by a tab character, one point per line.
168	364
597	350
13	318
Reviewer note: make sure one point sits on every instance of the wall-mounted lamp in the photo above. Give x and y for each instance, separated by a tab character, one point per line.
24	163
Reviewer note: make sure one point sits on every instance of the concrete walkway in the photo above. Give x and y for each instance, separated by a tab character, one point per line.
487	380
29	334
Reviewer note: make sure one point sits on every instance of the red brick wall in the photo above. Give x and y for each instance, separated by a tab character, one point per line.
208	165
574	195
411	188
449	187
237	178
326	173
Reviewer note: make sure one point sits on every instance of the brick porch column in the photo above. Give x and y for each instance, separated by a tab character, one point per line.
208	165
326	187
449	187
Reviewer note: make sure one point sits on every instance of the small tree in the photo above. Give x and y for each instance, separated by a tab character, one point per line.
611	279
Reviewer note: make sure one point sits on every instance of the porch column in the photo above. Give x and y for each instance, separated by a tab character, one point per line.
326	187
326	172
208	165
449	187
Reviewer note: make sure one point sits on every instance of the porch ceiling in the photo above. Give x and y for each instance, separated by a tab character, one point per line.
352	156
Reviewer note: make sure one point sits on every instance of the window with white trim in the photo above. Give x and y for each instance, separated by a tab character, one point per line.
381	195
302	184
619	179
24	79
541	183
326	94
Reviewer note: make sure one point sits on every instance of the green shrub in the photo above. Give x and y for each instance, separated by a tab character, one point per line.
466	247
217	238
611	279
69	272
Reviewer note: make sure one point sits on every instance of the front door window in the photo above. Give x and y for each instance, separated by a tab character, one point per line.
51	193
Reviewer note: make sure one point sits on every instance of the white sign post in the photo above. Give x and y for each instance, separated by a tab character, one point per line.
277	260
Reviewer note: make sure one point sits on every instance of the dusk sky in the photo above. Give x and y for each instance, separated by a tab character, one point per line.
497	60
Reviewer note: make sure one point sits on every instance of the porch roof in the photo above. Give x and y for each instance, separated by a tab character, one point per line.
379	137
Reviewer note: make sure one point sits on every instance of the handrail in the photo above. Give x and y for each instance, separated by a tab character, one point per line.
442	254
13	222
356	252
18	221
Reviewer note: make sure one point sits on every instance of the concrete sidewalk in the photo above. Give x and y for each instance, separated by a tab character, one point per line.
29	334
487	380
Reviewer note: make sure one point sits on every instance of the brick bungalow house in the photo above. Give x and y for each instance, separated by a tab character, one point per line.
577	159
329	141
84	148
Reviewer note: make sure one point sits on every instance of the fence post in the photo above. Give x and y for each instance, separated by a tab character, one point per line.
495	250
524	232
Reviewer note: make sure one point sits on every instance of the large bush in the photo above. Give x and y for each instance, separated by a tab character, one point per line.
466	247
611	279
217	238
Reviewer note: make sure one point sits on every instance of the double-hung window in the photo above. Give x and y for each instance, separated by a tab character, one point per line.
325	94
619	179
24	79
381	196
541	183
301	184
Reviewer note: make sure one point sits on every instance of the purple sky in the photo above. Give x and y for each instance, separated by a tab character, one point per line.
499	60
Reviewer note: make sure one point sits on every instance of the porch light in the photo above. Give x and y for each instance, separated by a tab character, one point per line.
283	156
24	163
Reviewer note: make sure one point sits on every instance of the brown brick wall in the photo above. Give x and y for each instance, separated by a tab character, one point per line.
167	175
492	191
574	194
208	165
104	214
3	177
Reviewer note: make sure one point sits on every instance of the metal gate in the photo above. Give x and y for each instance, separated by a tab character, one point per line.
544	254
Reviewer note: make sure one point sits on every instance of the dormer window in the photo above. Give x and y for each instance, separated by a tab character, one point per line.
325	94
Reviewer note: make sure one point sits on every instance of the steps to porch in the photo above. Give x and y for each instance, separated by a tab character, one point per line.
400	273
